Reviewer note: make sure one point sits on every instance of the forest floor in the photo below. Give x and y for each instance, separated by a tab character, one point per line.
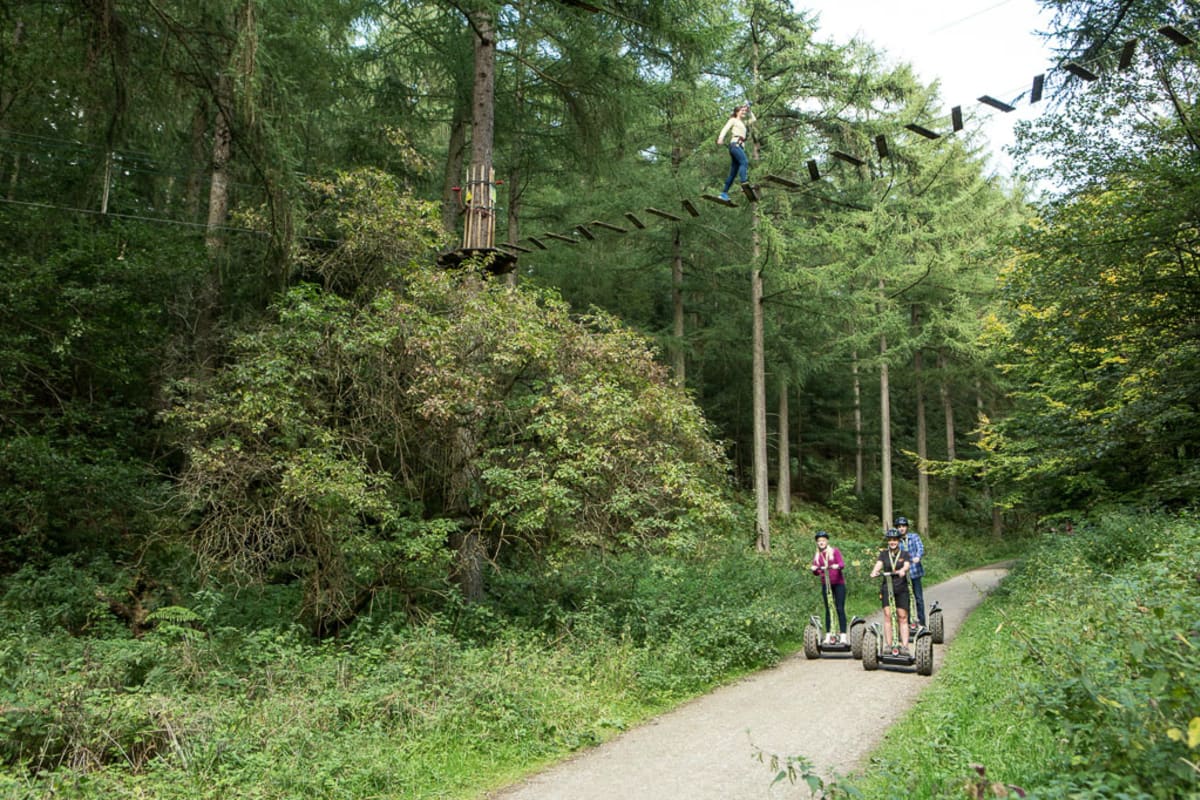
718	747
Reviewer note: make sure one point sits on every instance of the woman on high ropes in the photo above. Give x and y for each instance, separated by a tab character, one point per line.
737	127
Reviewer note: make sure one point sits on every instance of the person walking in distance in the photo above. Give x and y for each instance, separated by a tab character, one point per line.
737	127
910	543
829	560
893	563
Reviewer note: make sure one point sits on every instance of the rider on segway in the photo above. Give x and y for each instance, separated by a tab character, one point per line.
829	560
895	563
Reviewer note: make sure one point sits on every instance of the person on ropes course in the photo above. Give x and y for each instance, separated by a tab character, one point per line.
829	559
737	127
893	563
910	543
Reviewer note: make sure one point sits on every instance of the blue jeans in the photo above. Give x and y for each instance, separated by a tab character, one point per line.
739	166
919	599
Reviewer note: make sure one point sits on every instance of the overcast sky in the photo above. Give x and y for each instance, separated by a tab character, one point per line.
971	47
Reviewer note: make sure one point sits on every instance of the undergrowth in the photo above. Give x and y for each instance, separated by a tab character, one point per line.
216	700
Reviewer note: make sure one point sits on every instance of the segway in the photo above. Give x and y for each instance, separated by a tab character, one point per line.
875	651
817	640
937	627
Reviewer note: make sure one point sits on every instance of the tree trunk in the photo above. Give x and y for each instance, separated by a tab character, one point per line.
997	512
483	106
885	430
783	489
6	101
468	565
922	433
761	489
858	426
193	198
761	468
799	439
516	153
948	411
222	151
678	356
454	173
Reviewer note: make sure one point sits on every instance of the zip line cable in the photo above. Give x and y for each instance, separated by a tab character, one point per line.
201	226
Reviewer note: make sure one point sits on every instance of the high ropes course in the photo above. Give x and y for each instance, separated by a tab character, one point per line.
478	196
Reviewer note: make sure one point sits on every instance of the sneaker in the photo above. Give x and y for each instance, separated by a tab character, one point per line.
842	638
724	196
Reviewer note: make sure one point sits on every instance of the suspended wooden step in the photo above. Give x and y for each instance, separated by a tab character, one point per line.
1080	71
956	118
921	130
1127	53
722	201
1175	35
664	214
537	242
881	146
690	207
561	238
514	246
608	227
987	99
637	223
1039	83
585	233
785	182
751	192
591	9
813	172
849	159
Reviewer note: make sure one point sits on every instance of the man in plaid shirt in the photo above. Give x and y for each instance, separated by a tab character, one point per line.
910	542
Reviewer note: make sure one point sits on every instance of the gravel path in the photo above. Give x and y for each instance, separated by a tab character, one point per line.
706	749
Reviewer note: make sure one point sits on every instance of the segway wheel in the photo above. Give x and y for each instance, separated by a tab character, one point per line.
925	655
856	638
870	651
937	626
812	642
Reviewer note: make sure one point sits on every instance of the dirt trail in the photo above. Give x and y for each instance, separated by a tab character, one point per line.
830	711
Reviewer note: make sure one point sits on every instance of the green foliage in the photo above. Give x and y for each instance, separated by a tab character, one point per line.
1116	673
1097	329
1076	679
346	443
83	332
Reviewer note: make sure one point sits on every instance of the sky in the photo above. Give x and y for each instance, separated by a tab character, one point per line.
971	47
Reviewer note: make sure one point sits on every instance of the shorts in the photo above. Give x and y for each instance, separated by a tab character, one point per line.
901	598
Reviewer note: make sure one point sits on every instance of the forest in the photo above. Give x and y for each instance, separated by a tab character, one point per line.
361	360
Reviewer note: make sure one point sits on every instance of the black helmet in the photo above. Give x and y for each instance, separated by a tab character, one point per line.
819	534
901	521
892	533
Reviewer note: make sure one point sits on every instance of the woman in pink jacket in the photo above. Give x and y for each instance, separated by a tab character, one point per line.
829	560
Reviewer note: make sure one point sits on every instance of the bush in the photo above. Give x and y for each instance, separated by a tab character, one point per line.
1111	625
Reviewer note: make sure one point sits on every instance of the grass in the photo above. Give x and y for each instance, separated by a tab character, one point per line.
974	712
